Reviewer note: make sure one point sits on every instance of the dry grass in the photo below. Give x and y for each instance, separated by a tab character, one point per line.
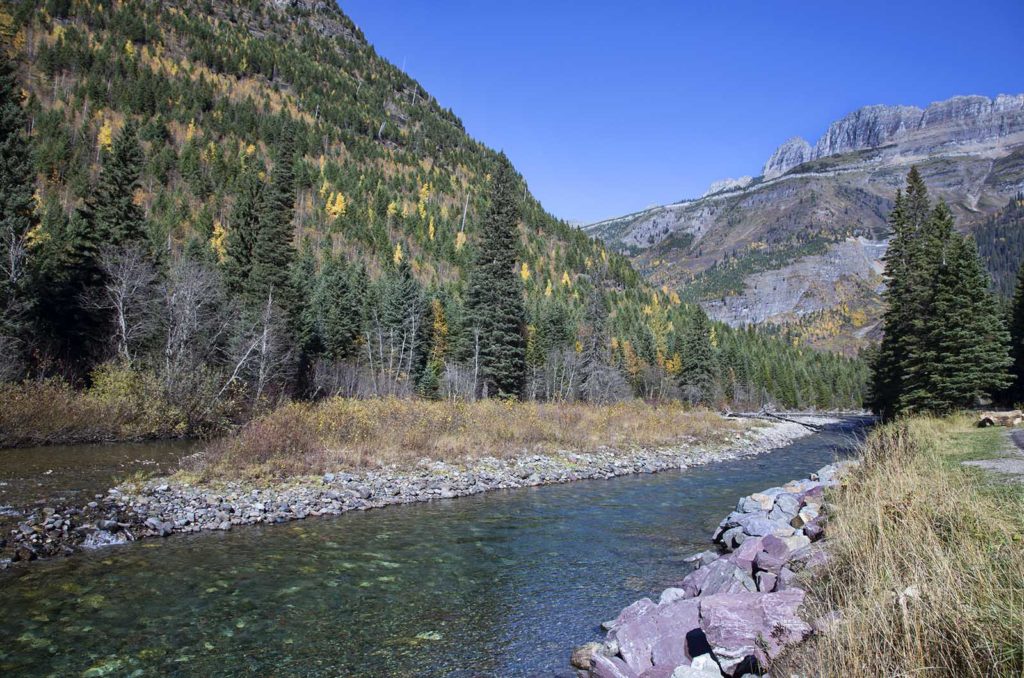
928	562
121	405
340	433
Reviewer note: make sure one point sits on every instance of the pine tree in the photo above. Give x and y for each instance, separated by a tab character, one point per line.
338	309
700	365
111	211
244	229
17	183
273	252
495	299
1017	338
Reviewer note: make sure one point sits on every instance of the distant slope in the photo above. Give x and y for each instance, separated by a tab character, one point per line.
383	171
737	248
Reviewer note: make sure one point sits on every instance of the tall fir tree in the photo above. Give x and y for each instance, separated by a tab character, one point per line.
243	228
1016	392
111	211
699	372
273	251
495	298
17	184
945	345
338	309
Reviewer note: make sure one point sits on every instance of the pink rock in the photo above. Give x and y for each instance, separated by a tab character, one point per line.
743	557
610	667
739	625
657	638
766	581
721	576
630	613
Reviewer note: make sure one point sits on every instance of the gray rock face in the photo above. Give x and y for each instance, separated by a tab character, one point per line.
794	151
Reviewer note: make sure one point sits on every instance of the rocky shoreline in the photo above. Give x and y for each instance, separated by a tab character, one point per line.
165	506
740	606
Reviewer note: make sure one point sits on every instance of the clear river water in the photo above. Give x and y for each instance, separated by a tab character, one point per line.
501	584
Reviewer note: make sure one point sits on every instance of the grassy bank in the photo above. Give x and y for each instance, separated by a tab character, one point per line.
304	438
120	405
927	565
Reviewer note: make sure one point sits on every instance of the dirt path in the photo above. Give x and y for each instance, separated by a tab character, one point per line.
1012	463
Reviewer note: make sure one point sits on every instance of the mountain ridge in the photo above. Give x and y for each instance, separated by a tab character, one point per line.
814	200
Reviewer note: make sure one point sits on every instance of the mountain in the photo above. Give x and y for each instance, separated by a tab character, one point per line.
801	244
385	180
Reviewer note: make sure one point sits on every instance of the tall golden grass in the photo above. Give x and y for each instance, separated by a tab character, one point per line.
305	438
927	566
121	404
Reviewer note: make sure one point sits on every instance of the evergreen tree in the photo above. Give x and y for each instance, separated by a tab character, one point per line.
244	229
338	309
945	344
495	299
699	371
1017	338
17	183
273	252
111	211
974	359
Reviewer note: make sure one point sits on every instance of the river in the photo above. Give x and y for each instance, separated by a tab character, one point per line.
501	584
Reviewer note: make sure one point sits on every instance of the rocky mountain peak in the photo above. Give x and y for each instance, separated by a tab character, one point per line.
791	153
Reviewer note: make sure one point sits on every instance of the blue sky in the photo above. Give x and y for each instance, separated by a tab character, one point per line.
609	107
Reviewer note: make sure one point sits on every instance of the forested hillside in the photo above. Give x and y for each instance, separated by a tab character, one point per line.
240	202
1001	245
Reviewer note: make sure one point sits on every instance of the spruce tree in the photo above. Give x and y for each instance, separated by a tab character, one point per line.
700	366
338	309
111	211
495	299
17	183
273	252
1016	392
243	229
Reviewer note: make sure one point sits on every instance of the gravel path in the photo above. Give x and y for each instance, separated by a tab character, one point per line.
1012	464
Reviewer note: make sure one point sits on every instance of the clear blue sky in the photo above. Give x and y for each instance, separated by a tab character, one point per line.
609	107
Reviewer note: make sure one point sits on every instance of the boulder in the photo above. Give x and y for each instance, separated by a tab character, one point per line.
629	613
744	555
657	637
583	656
721	576
759	625
610	667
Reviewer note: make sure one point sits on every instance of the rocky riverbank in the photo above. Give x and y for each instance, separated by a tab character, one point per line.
164	506
739	608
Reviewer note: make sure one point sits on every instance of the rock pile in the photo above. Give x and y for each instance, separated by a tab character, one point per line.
739	608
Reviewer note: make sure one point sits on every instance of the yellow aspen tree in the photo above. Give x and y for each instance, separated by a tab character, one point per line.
566	280
524	271
430	229
218	241
105	138
460	241
397	258
547	290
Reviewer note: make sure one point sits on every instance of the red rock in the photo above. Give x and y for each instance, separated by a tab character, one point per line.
738	625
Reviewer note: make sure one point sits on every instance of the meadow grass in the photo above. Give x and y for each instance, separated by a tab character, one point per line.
342	433
927	566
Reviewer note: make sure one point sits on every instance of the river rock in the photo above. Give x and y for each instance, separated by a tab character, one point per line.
759	625
583	656
703	666
610	667
658	637
721	576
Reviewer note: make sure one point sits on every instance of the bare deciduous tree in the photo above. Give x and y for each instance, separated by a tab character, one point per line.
127	294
